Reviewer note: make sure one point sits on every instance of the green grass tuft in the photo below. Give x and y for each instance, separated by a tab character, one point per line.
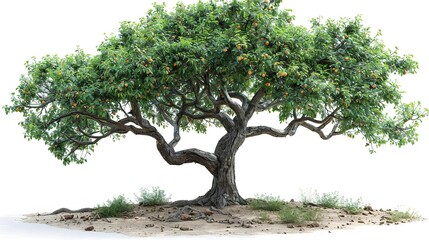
267	202
153	197
330	200
117	207
397	216
352	206
298	215
334	201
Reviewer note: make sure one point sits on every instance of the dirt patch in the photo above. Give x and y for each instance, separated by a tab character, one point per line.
197	220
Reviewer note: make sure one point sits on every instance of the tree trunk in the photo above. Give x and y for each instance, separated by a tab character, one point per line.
224	189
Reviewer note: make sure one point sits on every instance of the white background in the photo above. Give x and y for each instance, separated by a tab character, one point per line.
31	180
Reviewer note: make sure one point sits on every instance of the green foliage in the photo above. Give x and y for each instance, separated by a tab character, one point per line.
154	197
117	207
408	215
267	202
183	67
297	215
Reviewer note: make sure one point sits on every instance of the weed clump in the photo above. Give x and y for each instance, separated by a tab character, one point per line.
267	203
334	201
286	213
153	197
298	215
408	215
117	207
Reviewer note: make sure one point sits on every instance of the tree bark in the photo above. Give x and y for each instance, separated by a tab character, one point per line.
224	190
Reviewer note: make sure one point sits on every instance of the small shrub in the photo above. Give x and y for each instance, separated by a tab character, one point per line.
333	200
297	215
352	206
152	198
397	216
267	202
310	214
117	207
289	215
330	200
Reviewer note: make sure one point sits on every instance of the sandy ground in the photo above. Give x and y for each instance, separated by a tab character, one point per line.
233	220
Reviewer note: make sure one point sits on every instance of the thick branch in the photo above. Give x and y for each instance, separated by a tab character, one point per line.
135	108
208	160
259	130
253	105
294	124
244	100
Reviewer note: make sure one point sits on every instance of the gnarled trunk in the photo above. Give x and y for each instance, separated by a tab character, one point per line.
224	189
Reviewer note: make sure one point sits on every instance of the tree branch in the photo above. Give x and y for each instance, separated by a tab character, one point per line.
100	120
233	105
90	135
269	104
174	123
320	132
135	108
259	130
243	99
206	159
254	103
294	124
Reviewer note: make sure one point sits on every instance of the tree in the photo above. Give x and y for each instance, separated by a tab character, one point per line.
216	64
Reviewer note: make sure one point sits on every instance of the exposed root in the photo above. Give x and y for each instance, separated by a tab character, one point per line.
186	213
66	210
209	200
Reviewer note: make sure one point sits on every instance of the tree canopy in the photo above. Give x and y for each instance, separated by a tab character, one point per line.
215	64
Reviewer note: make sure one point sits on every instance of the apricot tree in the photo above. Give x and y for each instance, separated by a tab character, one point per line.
216	64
